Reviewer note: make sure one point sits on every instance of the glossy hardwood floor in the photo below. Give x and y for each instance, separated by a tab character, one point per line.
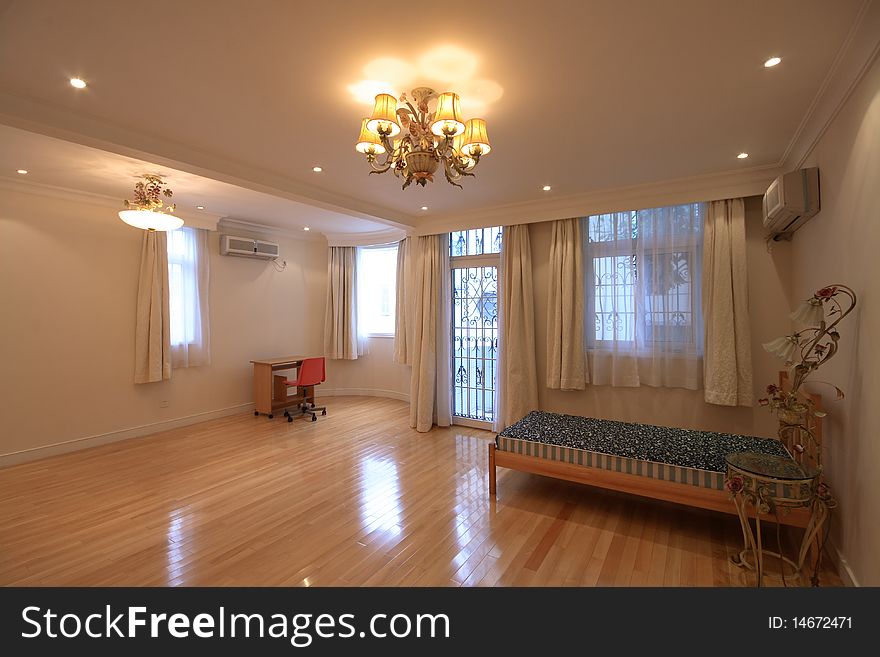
357	498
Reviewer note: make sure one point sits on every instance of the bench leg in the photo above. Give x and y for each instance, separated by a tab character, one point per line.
492	470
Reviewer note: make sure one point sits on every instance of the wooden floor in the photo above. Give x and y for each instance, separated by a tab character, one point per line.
357	498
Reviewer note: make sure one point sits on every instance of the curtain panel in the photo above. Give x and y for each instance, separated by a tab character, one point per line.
728	360
566	360
643	312
402	303
431	377
340	320
517	382
152	322
189	280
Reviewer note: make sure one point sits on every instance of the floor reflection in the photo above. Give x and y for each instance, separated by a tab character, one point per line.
380	495
174	552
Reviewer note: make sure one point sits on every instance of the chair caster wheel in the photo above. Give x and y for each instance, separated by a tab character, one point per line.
271	416
324	412
256	413
312	405
286	413
289	418
314	418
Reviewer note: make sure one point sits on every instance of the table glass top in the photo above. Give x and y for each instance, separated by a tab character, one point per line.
767	465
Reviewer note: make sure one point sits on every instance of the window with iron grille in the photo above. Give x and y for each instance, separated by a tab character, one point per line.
474	259
643	271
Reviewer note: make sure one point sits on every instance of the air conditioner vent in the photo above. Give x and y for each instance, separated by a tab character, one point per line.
790	201
247	247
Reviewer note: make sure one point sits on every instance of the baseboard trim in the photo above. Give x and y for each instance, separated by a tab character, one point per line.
44	451
842	566
361	392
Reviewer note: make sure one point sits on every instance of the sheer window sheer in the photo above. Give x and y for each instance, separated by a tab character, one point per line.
644	323
188	279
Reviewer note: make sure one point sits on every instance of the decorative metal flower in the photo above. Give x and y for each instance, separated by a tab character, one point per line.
734	484
148	195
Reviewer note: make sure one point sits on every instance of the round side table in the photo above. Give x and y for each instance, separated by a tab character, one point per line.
771	485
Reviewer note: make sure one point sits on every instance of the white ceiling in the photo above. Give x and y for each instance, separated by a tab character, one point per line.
583	95
63	164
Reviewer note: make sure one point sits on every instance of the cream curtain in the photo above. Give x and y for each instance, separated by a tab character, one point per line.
517	383
566	360
431	378
152	329
727	365
189	278
402	302
340	321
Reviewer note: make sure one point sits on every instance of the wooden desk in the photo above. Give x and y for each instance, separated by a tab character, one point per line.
270	393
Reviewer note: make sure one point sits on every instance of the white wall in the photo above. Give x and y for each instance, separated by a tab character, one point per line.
68	285
373	374
842	245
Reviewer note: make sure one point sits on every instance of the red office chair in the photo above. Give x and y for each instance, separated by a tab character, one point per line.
309	374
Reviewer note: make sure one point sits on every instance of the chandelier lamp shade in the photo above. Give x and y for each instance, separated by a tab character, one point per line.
414	136
147	210
447	116
384	119
369	141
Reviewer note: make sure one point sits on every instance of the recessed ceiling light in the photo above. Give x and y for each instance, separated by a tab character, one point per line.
424	207
23	172
546	188
317	169
306	228
78	83
200	207
742	156
773	61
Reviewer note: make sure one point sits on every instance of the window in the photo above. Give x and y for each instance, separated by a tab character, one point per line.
188	297
181	283
376	289
478	241
643	273
474	264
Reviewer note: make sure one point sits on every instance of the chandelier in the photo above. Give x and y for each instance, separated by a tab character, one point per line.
412	141
148	210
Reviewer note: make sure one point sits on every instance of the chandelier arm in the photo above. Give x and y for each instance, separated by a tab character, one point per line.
462	170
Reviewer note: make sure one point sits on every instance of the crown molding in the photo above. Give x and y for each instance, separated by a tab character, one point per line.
61	123
231	224
366	239
853	60
708	187
204	220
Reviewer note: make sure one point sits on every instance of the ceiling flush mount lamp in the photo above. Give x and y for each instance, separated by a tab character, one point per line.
426	138
148	210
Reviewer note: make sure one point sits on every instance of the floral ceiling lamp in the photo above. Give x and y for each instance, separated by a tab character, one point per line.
147	210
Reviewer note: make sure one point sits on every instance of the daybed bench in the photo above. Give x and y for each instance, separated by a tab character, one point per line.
677	465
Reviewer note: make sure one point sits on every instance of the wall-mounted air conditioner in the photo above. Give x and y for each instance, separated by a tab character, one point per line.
248	247
790	200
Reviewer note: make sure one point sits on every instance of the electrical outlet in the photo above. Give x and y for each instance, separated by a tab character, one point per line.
163	403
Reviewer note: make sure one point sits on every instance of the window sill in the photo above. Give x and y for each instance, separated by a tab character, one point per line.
380	335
